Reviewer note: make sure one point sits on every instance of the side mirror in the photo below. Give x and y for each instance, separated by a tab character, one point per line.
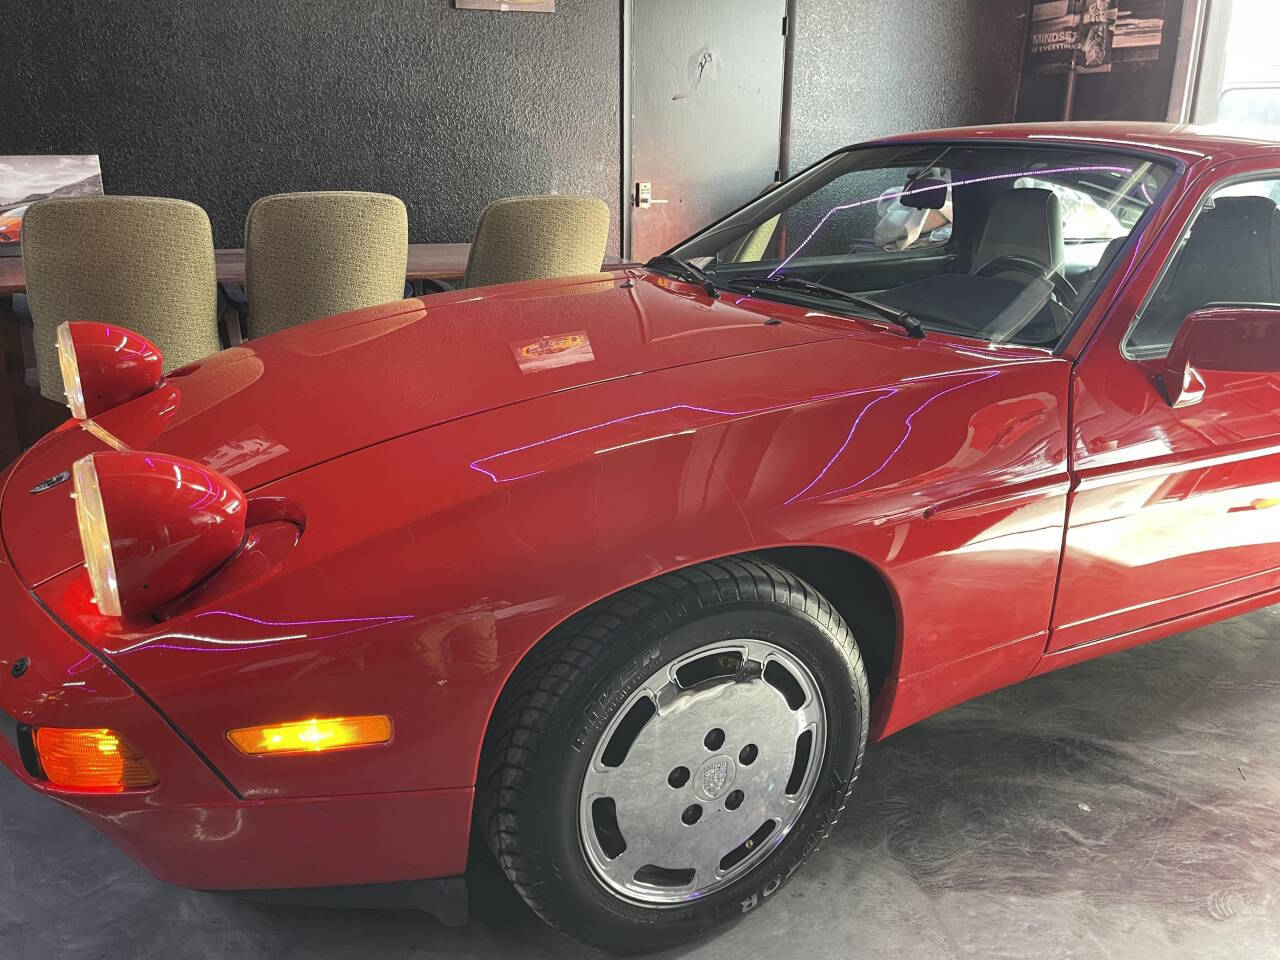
1223	337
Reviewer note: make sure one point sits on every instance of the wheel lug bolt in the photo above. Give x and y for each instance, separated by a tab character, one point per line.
692	814
714	739
734	800
678	777
748	754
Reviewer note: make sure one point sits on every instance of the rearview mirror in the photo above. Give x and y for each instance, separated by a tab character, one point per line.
925	193
1222	337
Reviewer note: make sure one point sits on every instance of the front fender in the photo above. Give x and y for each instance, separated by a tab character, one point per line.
431	564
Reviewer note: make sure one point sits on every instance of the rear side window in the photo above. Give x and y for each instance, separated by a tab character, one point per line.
1229	254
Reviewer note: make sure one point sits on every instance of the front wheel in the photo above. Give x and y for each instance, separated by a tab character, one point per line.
667	759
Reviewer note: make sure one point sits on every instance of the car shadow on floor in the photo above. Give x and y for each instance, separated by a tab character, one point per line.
1123	807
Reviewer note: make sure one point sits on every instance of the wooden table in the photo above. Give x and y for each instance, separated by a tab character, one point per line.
427	261
26	415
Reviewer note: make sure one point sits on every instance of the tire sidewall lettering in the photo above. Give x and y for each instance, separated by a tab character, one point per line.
602	707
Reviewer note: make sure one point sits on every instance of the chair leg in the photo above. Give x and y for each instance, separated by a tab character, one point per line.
12	381
233	315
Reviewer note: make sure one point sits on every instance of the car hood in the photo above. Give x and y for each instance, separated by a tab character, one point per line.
298	398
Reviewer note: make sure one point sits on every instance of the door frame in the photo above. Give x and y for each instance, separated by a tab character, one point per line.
624	185
1107	340
1193	33
626	106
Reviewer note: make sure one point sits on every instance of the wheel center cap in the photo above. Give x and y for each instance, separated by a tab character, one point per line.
714	777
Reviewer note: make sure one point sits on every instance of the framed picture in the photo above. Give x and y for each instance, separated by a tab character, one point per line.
24	180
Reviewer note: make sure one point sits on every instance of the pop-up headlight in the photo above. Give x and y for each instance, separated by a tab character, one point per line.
104	365
152	526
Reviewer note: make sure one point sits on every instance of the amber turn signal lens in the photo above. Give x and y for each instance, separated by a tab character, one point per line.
91	760
312	736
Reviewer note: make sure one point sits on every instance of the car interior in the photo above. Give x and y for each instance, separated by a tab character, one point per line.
1233	245
1003	268
1014	276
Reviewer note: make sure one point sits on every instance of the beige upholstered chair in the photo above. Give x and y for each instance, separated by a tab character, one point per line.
145	263
534	238
310	255
756	243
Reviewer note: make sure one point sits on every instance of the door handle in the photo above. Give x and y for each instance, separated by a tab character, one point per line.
644	195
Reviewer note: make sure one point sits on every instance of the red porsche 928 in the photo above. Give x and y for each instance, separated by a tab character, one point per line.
621	573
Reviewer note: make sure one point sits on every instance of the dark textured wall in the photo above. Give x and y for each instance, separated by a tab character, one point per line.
223	102
867	68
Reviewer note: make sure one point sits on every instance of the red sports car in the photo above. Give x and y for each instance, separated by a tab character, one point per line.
621	573
11	224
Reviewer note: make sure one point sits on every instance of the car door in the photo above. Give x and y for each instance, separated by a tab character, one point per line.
1176	510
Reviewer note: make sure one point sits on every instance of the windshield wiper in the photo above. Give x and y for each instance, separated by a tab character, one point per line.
686	271
903	319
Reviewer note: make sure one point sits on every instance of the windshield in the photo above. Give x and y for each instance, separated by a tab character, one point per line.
995	241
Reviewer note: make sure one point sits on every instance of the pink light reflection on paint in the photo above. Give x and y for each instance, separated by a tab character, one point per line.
909	422
200	643
388	618
475	464
87	662
839	453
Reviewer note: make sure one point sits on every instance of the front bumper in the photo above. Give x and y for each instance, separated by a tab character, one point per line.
193	829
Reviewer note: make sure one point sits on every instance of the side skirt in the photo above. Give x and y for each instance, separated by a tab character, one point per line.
906	700
445	898
1097	648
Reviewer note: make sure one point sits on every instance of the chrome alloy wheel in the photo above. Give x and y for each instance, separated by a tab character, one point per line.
702	772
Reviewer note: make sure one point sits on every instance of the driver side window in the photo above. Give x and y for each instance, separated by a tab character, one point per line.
1230	253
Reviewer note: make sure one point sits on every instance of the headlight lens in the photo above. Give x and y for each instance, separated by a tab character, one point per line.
95	537
70	372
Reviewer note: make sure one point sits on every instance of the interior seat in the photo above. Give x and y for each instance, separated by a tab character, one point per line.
1109	253
1023	222
1232	253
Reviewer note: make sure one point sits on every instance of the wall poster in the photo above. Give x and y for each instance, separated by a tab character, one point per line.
1092	35
1098	59
24	180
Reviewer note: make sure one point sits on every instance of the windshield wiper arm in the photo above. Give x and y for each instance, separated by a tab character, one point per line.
687	271
914	327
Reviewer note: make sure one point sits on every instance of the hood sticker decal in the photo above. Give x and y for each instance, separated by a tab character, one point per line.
557	350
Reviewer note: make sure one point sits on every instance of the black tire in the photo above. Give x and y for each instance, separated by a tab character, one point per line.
560	700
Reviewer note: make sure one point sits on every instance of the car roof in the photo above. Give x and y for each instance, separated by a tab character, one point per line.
1187	142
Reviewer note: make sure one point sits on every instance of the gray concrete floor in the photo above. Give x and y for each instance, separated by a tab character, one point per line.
1125	808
